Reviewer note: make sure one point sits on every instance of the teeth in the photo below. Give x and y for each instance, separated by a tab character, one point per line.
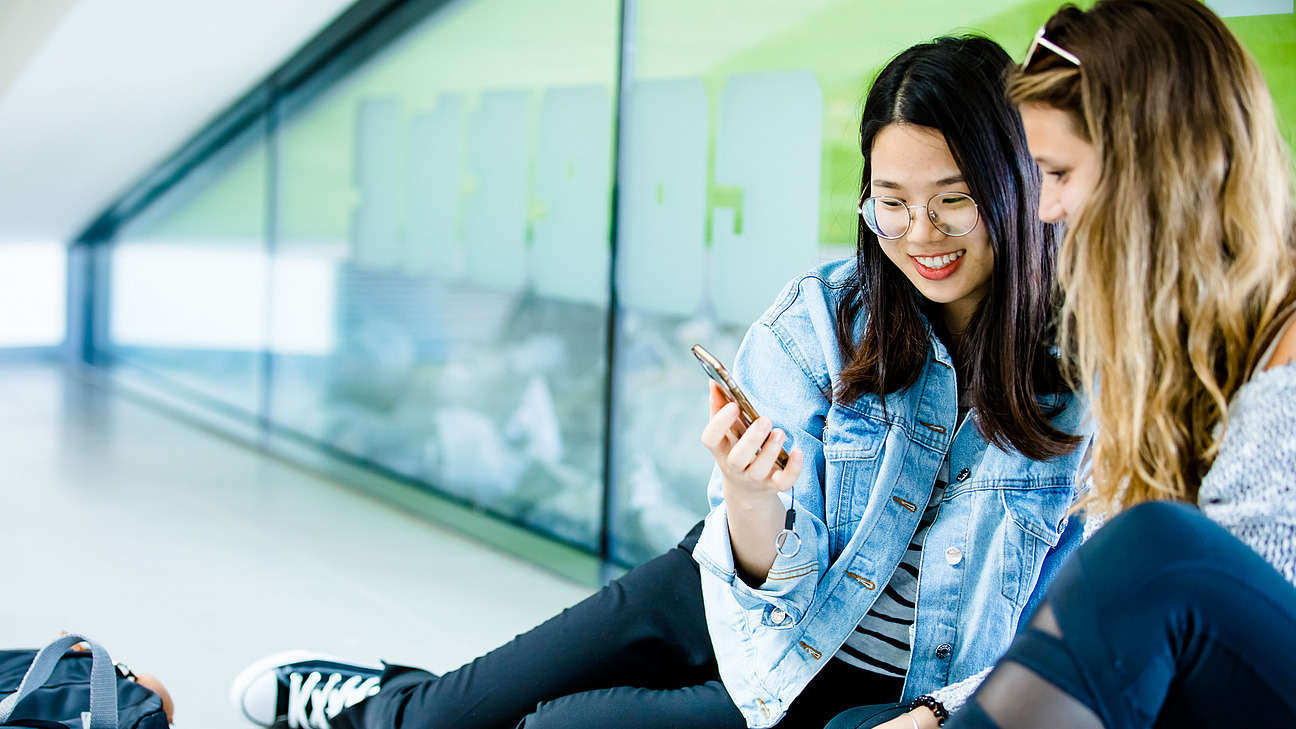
939	261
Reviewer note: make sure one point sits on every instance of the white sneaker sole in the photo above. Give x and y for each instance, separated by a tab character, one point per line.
248	676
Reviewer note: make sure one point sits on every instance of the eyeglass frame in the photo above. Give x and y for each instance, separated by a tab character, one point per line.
1040	40
910	209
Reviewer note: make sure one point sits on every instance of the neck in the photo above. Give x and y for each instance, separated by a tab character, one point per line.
956	320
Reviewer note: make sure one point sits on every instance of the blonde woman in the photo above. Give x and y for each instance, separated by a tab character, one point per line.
1160	151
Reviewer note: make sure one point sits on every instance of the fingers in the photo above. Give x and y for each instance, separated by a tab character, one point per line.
716	435
786	478
752	456
716	397
744	453
763	456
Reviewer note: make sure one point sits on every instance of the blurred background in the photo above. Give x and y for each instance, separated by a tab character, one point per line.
465	244
449	255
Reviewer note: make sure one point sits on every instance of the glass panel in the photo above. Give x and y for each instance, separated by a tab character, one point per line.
740	170
33	294
187	279
443	226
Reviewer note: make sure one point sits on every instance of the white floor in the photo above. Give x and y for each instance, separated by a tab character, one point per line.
189	556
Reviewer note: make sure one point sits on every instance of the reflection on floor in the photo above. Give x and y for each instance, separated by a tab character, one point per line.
189	556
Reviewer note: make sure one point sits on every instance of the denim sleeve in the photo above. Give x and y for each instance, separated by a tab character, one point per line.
787	591
781	367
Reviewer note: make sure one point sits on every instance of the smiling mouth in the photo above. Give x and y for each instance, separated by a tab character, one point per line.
936	263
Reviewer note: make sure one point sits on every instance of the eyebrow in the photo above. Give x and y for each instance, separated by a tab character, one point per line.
890	185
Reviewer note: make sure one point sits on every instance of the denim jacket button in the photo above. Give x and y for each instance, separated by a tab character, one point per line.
953	555
777	616
963	475
943	650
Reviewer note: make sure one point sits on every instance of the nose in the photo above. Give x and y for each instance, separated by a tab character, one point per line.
1050	204
922	230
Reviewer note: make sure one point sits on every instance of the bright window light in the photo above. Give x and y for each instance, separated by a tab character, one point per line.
33	294
188	296
214	297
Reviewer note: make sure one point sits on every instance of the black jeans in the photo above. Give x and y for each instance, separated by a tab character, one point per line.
1166	620
635	654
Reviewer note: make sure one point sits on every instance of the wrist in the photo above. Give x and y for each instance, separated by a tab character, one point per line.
929	712
746	501
923	718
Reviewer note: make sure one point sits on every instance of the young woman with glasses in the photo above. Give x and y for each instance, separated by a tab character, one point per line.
1158	142
934	446
935	453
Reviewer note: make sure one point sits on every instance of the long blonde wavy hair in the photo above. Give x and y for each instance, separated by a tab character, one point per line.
1179	269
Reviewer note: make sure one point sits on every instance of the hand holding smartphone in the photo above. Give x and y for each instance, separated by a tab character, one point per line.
787	542
746	413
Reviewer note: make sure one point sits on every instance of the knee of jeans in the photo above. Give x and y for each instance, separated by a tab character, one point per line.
1157	533
1163	516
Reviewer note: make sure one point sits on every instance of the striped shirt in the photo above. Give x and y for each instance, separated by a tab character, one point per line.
880	643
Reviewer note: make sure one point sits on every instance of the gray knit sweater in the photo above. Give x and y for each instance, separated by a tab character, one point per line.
1250	490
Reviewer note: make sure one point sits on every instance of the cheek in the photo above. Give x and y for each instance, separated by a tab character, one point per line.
1081	186
892	252
984	252
1073	197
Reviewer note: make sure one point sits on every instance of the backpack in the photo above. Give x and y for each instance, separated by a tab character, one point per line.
56	689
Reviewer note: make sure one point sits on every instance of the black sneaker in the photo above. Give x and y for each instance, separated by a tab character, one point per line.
301	689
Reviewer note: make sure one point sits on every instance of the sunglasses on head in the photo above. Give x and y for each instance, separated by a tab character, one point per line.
1041	42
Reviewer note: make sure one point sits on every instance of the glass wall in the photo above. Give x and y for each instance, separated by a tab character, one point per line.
441	288
411	264
188	280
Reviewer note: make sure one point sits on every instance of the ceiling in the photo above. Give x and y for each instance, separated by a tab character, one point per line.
95	93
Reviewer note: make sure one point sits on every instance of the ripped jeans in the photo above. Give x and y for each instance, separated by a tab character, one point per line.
1163	619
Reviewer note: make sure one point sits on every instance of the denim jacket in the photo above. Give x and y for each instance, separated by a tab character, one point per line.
1000	536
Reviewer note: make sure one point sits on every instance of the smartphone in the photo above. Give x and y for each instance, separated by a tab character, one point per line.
746	413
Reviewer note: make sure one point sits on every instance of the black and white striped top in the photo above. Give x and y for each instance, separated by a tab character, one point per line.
880	643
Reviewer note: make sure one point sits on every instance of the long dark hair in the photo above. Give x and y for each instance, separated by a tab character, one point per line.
956	86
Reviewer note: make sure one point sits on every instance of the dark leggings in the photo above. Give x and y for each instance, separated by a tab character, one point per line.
635	654
1163	619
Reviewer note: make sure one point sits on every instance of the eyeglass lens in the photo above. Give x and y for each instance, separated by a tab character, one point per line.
952	213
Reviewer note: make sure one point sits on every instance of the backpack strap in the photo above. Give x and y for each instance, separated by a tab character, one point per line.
103	681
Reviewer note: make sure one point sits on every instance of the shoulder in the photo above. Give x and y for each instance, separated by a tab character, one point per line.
800	328
1284	347
818	290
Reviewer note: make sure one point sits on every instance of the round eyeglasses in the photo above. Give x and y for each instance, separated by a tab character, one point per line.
953	213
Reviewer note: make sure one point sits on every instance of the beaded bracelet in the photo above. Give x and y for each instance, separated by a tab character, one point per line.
935	706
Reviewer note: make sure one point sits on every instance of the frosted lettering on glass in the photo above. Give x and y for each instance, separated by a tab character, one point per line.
769	129
496	206
375	222
662	225
572	253
432	206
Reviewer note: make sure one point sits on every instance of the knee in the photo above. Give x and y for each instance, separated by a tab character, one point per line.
1157	533
1160	520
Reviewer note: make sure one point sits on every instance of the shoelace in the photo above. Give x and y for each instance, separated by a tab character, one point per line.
310	705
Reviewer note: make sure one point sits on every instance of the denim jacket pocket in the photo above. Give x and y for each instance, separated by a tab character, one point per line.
1036	519
853	439
853	432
